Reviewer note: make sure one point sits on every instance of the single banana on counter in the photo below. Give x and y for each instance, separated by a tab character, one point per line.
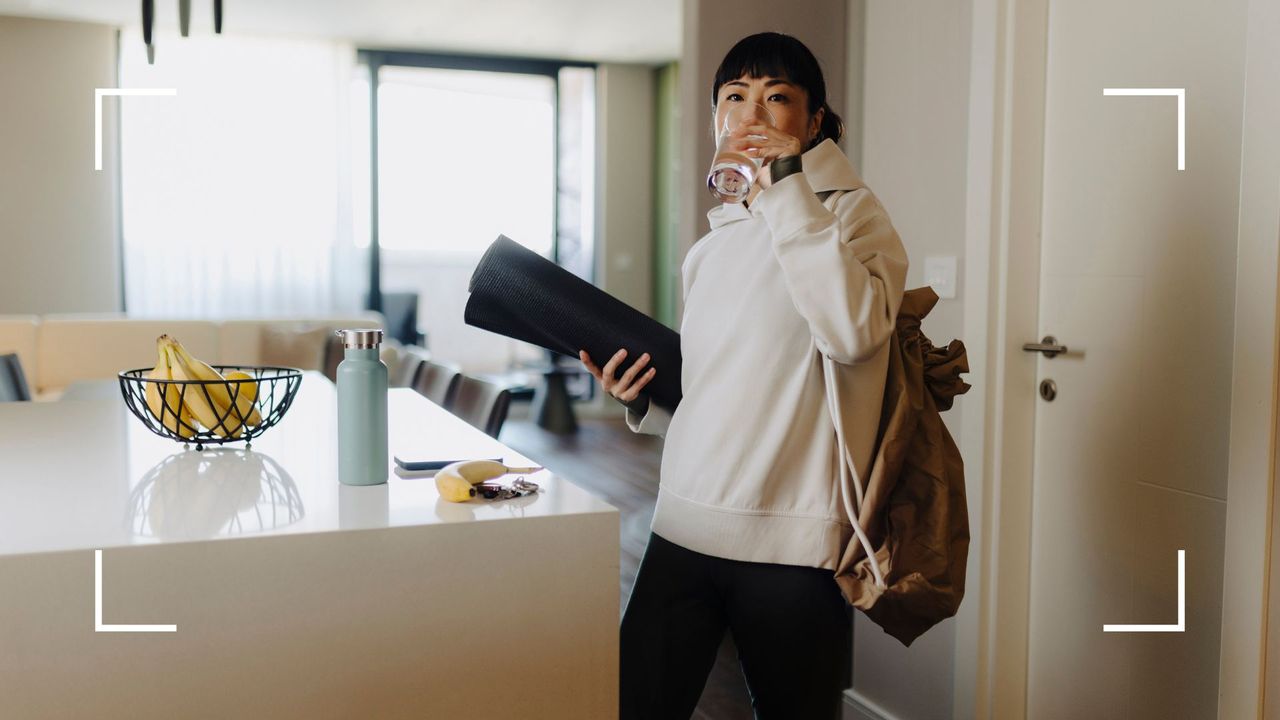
165	400
455	481
477	471
454	488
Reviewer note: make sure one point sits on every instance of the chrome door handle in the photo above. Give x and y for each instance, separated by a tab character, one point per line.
1049	346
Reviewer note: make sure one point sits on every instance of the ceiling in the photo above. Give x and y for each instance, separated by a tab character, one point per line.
600	30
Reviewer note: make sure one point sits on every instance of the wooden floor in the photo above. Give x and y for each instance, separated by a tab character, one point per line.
621	467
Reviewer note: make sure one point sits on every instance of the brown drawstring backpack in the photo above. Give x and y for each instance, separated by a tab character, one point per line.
912	507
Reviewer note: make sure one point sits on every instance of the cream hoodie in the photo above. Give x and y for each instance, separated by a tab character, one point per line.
750	468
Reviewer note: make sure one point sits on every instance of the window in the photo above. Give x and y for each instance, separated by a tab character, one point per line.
468	149
464	156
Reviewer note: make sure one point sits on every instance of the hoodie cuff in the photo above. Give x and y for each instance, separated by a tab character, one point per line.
654	421
789	205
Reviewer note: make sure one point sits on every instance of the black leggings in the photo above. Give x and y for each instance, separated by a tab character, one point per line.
790	623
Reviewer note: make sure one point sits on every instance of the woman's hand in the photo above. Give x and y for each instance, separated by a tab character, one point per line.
758	140
626	388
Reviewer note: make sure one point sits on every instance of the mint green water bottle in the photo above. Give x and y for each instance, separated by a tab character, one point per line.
362	409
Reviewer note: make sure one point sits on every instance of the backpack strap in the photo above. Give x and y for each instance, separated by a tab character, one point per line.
846	468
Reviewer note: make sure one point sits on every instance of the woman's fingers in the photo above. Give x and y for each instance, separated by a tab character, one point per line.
630	375
624	388
752	146
634	391
591	367
764	142
611	368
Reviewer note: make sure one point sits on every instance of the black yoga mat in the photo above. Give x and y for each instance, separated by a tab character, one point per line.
520	294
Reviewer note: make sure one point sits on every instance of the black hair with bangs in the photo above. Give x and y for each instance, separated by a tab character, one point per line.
782	56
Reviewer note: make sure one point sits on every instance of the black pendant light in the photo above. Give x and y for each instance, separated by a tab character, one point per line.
148	18
184	23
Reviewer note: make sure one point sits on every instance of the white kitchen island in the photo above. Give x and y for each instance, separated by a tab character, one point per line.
293	596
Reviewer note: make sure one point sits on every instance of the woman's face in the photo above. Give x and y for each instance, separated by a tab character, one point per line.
789	104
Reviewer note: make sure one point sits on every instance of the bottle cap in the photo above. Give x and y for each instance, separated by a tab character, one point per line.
361	339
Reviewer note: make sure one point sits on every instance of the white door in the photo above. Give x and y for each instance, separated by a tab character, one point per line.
1137	279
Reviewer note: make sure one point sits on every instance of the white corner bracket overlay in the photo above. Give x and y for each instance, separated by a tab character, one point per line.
1182	606
97	607
1181	94
98	94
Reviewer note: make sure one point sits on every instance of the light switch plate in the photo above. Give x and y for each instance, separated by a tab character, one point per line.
940	274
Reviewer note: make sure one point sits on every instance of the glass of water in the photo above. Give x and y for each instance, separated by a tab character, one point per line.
733	171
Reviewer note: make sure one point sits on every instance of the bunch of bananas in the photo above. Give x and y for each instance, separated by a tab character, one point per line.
456	482
224	407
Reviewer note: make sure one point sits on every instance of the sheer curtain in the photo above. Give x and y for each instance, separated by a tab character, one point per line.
237	193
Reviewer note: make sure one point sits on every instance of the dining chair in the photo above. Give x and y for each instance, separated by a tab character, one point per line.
438	382
481	403
412	358
13	382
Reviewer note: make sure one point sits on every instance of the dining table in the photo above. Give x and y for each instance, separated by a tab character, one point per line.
144	578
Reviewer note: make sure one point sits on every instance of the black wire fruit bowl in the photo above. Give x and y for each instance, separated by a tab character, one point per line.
212	412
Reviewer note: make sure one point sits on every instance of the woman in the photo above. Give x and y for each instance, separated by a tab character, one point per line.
749	522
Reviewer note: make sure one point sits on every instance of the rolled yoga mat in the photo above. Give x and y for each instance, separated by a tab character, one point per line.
517	293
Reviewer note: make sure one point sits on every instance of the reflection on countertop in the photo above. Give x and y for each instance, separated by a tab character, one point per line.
199	494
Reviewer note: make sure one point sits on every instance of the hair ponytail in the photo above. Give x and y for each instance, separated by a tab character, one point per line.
832	127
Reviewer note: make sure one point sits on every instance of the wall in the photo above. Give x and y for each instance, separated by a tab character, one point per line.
666	199
624	168
1250	674
914	121
59	246
626	194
